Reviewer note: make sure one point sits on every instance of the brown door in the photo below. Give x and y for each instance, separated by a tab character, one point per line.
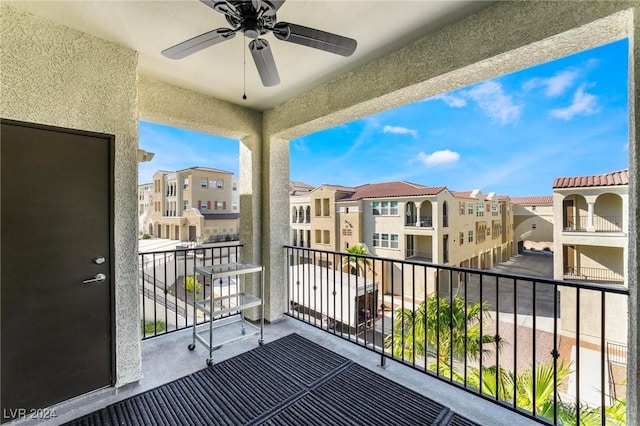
569	215
56	233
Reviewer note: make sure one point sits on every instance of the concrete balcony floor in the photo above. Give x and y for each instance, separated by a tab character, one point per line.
166	358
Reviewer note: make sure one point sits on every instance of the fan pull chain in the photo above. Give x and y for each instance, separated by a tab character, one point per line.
244	72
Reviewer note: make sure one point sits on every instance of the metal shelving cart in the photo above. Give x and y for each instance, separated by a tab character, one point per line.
216	306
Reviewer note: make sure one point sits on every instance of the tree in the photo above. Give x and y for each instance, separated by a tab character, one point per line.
426	330
357	262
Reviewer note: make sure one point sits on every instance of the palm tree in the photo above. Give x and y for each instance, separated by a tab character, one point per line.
426	330
357	262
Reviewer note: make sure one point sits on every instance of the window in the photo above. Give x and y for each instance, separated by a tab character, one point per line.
480	209
470	208
393	208
203	183
318	207
234	186
326	238
461	207
470	236
185	183
384	208
220	205
185	204
234	207
461	238
384	240
220	184
325	207
318	236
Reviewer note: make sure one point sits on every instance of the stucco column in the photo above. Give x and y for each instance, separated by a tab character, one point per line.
590	225
633	378
275	224
417	214
250	192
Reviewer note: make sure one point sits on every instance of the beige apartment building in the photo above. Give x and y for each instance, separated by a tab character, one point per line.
533	219
194	204
405	221
591	244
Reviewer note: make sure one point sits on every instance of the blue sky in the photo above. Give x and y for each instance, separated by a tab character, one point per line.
511	135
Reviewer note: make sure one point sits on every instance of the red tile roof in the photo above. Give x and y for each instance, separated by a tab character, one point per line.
608	179
391	189
543	199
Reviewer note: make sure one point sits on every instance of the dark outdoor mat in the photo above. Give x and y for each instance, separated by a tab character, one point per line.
289	381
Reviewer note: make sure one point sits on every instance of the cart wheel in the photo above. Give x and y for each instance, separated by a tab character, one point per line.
261	342
209	362
192	346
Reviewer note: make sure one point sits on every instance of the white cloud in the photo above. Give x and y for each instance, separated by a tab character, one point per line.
491	98
553	86
583	104
397	130
451	100
438	157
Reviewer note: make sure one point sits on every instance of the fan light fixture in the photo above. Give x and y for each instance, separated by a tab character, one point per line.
254	19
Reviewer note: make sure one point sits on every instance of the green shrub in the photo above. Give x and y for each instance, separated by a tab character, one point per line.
546	249
149	328
191	283
146	236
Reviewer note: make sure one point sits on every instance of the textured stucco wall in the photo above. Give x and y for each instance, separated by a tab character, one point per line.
57	76
633	382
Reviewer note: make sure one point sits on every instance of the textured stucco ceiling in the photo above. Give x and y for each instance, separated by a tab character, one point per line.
151	26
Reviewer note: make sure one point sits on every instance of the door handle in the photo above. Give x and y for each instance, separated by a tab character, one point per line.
97	279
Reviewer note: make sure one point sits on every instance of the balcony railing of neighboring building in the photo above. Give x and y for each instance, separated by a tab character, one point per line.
600	223
422	256
485	332
424	222
168	286
601	275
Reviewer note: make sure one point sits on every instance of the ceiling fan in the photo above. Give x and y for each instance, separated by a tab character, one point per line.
255	18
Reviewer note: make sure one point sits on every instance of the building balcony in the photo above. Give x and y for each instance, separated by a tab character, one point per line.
598	275
600	224
423	222
418	256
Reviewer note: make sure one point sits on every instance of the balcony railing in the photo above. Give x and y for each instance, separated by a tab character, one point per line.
488	333
168	285
424	222
419	255
602	275
600	223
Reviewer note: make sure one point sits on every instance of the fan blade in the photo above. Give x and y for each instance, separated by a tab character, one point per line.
198	43
262	56
314	38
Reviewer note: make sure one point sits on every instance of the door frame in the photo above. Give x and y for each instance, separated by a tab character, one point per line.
110	140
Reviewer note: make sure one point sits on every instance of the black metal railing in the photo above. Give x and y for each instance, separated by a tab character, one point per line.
168	285
582	273
424	222
600	223
496	335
